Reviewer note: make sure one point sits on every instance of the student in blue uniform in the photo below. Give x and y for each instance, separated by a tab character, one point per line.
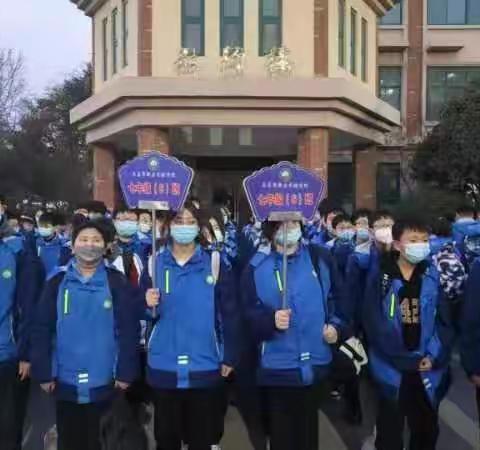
465	216
85	339
19	287
294	342
27	231
144	232
470	329
343	244
50	248
406	319
361	220
325	232
192	348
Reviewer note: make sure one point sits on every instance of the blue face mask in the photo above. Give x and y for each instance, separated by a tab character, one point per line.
184	234
293	236
416	253
363	234
126	228
346	235
45	232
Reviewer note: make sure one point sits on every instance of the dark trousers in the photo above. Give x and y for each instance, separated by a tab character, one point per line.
194	416
414	407
78	426
292	417
478	402
13	405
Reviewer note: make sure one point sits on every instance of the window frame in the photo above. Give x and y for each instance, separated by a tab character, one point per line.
364	44
238	21
125	33
105	48
114	37
353	41
192	20
394	24
384	200
399	70
342	31
444	69
269	20
465	22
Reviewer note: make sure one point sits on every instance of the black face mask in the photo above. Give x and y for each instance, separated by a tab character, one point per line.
90	255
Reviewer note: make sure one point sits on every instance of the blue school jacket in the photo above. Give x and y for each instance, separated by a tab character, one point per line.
20	281
470	322
86	334
382	321
196	325
52	253
298	356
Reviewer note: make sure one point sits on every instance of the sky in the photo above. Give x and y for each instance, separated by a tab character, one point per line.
53	36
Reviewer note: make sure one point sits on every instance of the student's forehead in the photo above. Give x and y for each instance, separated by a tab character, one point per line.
90	233
344	223
414	234
129	214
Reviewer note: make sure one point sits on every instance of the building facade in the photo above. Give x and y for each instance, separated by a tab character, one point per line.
230	86
428	53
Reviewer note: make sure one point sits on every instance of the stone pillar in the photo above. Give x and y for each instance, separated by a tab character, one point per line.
153	139
104	174
145	20
313	146
365	178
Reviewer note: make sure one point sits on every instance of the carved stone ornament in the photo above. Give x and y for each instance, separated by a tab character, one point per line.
279	64
232	62
187	63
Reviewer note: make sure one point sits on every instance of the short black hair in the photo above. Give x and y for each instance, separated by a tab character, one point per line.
466	209
339	219
409	223
90	224
362	212
47	218
96	206
442	227
381	214
124	209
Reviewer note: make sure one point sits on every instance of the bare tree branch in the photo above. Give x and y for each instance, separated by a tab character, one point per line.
12	85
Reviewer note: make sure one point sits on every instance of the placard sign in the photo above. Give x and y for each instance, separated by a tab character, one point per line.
284	188
155	178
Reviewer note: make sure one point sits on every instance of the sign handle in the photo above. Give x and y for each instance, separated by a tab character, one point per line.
154	256
285	262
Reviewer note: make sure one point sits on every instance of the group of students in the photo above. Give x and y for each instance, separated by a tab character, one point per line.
83	314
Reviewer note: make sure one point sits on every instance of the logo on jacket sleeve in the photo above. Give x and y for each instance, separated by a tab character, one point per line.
107	304
7	274
210	279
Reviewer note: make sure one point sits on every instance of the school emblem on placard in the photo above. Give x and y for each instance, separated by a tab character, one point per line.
210	279
7	274
107	304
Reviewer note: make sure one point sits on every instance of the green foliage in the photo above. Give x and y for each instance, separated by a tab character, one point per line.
450	156
45	155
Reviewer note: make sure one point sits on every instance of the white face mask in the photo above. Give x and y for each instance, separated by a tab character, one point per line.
384	235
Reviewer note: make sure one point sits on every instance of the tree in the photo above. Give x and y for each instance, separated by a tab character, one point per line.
48	156
449	157
12	84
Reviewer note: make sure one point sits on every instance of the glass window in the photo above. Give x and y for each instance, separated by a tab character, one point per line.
193	25
125	33
390	85
341	33
245	136
114	40
105	48
394	16
216	136
454	12
444	84
353	42
231	24
364	44
388	184
270	25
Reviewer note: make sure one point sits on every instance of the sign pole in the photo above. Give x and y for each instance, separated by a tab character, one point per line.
154	255
285	263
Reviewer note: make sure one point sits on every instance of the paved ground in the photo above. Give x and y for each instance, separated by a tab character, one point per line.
459	429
